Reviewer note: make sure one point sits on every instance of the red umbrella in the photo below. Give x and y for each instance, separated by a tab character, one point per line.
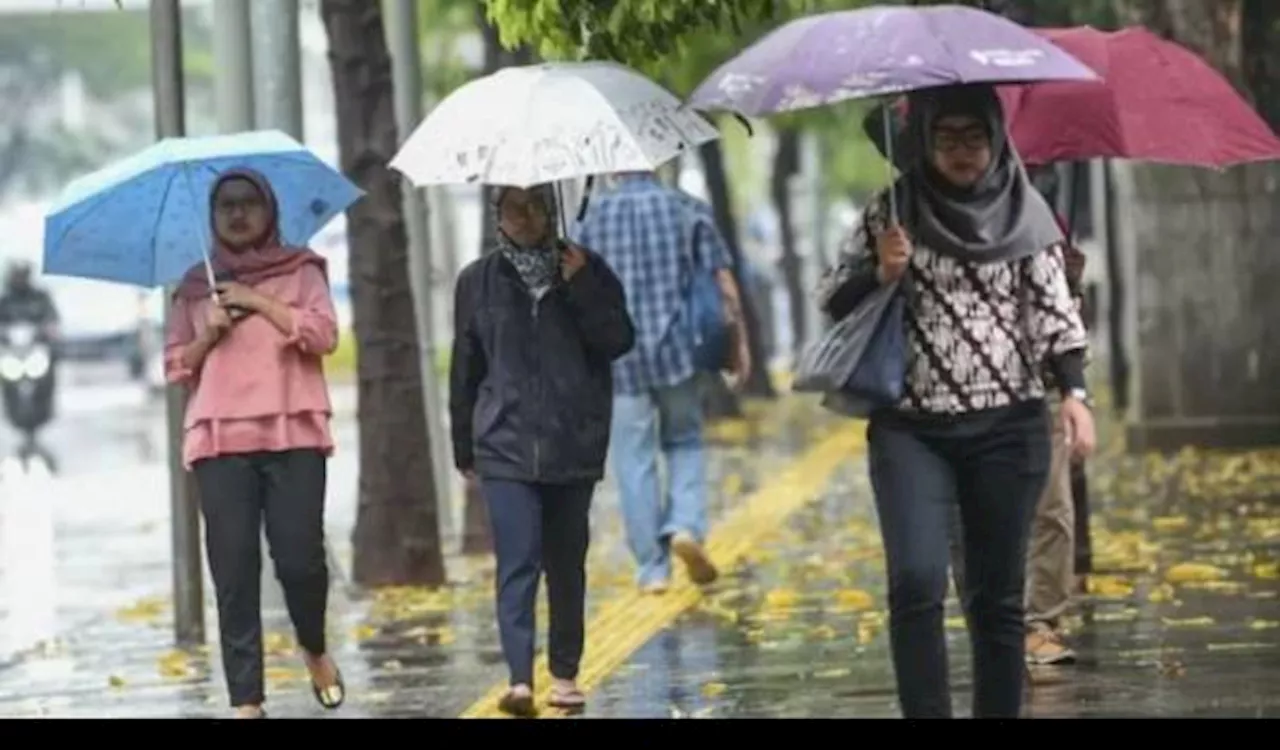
1157	102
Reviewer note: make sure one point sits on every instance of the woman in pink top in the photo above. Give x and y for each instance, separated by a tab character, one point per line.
257	428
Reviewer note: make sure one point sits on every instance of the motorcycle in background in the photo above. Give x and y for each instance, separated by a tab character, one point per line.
26	379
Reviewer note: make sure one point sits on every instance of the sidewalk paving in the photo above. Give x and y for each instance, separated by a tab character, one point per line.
1183	618
403	652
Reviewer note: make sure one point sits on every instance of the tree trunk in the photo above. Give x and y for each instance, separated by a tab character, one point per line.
397	537
786	164
1202	244
759	385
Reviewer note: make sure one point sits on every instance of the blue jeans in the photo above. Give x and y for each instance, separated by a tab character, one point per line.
992	467
537	529
667	421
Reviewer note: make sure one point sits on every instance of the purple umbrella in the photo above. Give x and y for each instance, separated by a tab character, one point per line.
827	58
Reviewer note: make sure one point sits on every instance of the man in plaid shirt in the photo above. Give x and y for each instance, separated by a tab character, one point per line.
644	230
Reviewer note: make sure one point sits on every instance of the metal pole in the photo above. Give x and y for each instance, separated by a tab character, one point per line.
233	66
277	66
401	24
188	574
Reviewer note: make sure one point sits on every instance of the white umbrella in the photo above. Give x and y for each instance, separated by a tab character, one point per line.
534	124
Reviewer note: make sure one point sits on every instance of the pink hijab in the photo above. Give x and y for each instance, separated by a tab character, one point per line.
267	257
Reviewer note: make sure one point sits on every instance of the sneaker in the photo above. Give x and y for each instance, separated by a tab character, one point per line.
655	588
701	570
1045	647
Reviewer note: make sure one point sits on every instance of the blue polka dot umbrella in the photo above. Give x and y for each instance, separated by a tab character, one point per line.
146	219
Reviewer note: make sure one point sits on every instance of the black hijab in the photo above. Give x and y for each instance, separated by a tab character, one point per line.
1000	218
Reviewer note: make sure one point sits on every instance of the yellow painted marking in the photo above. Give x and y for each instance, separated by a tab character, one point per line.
626	623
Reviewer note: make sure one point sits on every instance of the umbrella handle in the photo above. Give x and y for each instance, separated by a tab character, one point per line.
208	272
887	116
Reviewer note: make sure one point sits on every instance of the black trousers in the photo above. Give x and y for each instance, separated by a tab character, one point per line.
993	465
540	527
238	493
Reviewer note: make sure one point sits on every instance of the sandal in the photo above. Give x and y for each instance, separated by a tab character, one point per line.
333	696
520	706
568	699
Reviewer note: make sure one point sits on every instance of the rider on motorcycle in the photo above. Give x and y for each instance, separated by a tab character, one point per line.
24	302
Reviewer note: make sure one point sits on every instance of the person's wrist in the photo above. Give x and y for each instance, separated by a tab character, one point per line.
1078	394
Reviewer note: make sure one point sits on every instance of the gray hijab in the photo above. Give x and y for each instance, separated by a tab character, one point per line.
999	219
537	266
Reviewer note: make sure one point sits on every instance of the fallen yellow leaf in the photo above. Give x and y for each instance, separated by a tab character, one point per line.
781	599
823	632
1170	523
1188	572
144	610
712	689
1191	622
115	681
176	665
1267	571
854	600
1114	587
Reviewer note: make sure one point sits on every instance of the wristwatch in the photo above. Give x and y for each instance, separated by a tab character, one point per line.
1081	395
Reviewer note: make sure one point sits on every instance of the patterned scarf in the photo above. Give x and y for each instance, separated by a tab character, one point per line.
537	266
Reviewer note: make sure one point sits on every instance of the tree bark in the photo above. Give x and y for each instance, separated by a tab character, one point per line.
759	385
786	164
397	537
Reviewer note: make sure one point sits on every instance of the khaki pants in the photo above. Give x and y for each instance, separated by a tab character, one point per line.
1051	546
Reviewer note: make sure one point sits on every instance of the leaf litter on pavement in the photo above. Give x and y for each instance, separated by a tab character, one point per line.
1176	539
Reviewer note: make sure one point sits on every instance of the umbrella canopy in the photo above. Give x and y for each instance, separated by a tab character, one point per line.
145	220
536	124
832	57
1159	102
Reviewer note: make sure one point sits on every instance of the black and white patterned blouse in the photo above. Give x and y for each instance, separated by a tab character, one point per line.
979	334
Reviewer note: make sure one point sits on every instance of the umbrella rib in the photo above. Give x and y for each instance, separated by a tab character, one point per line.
155	229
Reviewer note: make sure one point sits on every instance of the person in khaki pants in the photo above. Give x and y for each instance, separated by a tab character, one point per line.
1051	561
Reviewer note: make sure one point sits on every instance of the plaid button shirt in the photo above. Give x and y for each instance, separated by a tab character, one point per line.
641	229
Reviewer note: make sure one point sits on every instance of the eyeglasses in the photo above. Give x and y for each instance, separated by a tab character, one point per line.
970	139
233	205
524	210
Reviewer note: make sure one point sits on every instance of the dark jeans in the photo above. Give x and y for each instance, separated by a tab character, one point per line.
993	465
237	493
537	527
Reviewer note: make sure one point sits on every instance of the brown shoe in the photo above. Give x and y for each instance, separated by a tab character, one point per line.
701	570
1045	647
518	702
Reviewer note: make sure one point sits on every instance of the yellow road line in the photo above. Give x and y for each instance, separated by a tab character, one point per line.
626	623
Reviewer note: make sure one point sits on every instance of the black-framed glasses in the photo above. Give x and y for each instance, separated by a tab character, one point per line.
969	139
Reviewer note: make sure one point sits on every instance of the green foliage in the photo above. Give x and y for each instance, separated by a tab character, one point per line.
637	33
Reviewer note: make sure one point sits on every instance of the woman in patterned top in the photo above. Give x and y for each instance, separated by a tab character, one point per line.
990	311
